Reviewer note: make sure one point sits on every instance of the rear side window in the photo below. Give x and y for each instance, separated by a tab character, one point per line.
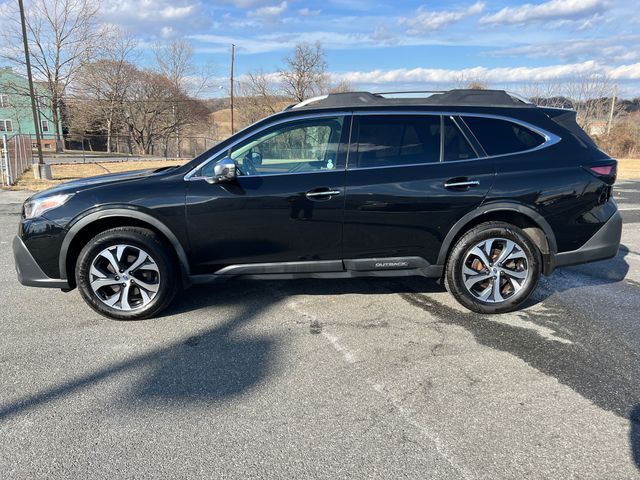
456	146
387	140
499	137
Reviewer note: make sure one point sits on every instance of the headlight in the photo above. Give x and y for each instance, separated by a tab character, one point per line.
35	208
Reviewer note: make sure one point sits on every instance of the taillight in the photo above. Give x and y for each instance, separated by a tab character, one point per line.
606	172
603	170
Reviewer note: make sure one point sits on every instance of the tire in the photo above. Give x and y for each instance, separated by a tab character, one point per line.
146	279
504	284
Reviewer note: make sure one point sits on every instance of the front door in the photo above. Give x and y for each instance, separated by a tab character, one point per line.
409	179
285	206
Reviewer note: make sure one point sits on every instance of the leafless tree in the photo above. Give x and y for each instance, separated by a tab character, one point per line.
149	110
63	34
305	72
175	62
342	86
590	95
258	96
103	85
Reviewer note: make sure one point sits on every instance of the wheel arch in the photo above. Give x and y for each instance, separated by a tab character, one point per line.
94	223
520	215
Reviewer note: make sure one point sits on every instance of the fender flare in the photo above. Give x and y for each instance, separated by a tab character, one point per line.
497	207
124	213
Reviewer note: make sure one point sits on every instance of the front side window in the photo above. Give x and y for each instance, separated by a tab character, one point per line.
6	126
298	147
4	100
388	140
499	137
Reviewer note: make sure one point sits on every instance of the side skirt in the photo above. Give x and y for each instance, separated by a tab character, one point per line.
367	267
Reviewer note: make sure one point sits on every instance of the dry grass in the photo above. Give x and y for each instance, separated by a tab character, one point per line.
628	169
73	171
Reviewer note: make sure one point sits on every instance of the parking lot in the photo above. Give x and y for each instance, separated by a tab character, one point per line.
360	378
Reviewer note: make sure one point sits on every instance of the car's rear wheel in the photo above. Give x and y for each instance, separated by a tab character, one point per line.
126	273
493	268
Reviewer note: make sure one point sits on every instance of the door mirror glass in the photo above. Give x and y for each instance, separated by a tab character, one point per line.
223	171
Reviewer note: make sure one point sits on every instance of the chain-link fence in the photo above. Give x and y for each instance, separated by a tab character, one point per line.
16	157
103	148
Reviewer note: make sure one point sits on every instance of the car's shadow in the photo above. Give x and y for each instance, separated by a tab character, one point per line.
214	363
634	434
563	279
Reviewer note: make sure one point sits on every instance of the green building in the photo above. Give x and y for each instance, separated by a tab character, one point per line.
15	109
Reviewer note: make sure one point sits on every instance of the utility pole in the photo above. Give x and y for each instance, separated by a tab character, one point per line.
31	90
233	51
613	106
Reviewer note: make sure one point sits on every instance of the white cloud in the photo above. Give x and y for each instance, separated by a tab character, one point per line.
424	20
307	12
170	12
498	75
271	11
551	10
626	72
619	48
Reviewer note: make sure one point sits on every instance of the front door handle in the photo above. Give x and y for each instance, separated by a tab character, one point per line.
461	183
323	193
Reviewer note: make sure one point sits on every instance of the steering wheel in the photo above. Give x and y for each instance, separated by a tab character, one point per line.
248	164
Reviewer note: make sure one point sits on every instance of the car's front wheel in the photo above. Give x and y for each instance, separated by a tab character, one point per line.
493	268
126	273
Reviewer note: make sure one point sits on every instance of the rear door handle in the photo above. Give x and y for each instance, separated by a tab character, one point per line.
461	184
323	193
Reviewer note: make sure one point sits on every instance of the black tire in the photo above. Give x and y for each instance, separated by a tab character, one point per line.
513	294
148	242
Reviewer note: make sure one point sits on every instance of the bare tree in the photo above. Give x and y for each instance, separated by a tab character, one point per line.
63	34
175	62
103	85
305	73
258	96
342	86
149	110
590	95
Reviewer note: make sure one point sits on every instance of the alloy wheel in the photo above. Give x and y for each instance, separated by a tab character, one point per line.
495	270
124	277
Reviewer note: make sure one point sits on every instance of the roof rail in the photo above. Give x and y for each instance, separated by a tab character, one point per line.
457	97
309	100
410	92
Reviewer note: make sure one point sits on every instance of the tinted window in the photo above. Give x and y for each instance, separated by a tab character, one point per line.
498	137
456	146
387	140
305	146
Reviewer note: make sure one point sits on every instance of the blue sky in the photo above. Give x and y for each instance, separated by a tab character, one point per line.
382	44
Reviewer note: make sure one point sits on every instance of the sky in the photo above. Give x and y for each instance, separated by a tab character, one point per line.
386	45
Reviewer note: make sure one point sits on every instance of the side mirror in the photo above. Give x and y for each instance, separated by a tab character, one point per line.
223	171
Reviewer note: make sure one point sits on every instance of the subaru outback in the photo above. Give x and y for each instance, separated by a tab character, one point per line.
478	188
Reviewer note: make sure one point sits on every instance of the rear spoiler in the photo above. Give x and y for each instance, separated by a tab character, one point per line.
566	118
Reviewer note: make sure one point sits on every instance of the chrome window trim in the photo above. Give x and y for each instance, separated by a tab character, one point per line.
190	176
550	138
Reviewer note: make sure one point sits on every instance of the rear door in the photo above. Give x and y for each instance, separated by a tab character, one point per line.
409	178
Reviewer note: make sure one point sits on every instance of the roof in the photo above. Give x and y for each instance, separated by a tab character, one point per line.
457	97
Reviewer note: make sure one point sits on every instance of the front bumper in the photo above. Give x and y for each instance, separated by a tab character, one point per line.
29	272
602	246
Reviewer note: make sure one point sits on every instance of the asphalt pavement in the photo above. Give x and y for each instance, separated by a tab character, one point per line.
361	378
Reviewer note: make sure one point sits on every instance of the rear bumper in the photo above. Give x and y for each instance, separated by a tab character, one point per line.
29	272
602	246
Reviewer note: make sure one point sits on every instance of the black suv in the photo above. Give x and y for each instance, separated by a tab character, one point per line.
478	187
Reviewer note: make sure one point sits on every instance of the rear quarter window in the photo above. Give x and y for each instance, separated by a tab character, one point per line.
499	137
